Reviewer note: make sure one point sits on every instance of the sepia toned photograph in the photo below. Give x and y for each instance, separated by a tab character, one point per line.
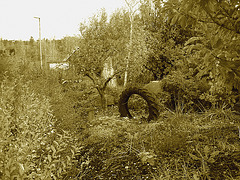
120	90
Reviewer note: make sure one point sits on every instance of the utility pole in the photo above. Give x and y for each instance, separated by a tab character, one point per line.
40	44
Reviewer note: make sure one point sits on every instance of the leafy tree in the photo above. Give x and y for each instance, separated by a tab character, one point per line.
32	53
96	46
139	50
215	47
102	41
164	40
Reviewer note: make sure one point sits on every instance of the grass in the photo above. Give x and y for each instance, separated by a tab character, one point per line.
176	146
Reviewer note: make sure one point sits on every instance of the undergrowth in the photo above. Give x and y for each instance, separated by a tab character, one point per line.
60	133
31	147
177	146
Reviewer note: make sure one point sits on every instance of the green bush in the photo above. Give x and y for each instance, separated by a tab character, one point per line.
184	94
31	147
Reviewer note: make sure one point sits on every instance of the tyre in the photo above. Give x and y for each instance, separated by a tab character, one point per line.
153	106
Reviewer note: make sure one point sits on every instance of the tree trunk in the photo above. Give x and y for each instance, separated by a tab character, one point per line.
101	89
131	16
103	101
101	92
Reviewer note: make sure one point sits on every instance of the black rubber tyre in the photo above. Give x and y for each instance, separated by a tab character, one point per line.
153	106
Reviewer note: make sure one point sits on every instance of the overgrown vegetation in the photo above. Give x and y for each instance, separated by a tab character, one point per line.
59	124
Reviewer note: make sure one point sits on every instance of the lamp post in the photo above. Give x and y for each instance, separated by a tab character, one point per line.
40	44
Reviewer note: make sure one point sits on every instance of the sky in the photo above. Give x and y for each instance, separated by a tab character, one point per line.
59	18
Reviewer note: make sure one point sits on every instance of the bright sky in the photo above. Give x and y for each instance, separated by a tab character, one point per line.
59	18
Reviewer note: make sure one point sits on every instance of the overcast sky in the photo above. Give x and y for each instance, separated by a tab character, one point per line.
59	18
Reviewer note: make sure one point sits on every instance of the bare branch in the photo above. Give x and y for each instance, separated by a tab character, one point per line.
90	77
131	5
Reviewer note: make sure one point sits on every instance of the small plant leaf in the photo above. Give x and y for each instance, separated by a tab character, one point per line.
147	157
194	157
56	143
211	160
206	151
49	158
54	150
195	177
214	154
21	169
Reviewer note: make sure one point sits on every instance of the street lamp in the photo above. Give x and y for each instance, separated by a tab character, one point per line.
40	44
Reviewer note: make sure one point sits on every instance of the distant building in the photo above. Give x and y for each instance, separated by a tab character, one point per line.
58	65
63	65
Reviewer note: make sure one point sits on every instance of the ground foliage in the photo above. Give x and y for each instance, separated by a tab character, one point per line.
196	148
56	129
31	146
105	146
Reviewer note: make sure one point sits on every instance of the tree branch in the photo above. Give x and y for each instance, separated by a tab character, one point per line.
220	24
90	77
109	79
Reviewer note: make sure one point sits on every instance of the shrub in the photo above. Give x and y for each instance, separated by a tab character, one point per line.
31	147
